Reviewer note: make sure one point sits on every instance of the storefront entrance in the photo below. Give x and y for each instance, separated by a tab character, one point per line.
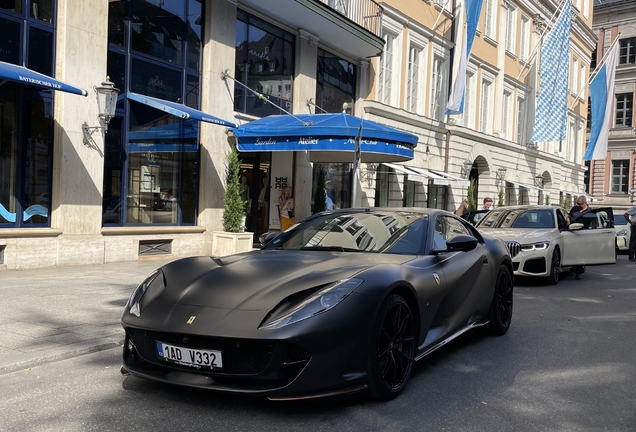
255	190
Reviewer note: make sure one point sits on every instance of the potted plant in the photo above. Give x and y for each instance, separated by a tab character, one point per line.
501	197
320	196
233	239
471	196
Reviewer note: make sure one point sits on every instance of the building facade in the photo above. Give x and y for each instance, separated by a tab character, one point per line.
611	179
153	184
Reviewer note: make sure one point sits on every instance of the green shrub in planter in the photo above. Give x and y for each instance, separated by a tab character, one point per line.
233	204
320	196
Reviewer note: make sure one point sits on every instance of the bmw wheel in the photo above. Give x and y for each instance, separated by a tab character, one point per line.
555	267
501	306
392	349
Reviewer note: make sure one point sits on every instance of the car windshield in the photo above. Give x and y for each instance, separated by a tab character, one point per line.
378	232
518	218
620	220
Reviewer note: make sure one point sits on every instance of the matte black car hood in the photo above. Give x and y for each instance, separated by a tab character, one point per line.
259	280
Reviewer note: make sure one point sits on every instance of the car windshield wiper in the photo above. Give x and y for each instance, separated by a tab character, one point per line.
330	248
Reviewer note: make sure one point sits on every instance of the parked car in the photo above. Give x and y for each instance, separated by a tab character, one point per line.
622	231
542	245
344	301
475	216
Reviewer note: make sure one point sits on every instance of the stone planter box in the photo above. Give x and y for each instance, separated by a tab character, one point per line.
227	243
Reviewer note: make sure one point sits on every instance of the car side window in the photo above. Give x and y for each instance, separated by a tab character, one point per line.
589	220
447	228
561	221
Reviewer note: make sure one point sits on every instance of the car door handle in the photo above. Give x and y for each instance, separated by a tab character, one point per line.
485	260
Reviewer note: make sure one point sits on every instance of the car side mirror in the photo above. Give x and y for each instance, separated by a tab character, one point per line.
576	226
460	243
265	238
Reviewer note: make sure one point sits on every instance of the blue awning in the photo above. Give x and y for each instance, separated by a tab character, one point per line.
11	72
178	109
326	138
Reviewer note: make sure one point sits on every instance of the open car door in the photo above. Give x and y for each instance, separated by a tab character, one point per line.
594	243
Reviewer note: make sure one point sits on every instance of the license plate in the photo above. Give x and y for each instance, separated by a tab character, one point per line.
189	356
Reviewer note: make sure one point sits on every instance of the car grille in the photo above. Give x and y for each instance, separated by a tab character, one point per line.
513	248
240	356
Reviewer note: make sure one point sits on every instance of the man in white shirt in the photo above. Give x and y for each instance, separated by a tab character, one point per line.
630	215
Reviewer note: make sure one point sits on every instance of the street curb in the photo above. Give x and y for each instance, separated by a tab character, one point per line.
62	353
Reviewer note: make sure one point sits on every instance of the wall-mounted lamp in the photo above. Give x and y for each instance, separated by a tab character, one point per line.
468	165
501	174
370	173
538	180
106	105
347	106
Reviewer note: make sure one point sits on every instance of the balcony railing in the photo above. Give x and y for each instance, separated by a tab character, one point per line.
365	13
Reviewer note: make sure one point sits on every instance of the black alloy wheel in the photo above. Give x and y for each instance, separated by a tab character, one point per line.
555	267
501	306
392	349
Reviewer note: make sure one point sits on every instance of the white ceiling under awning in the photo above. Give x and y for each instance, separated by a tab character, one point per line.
418	174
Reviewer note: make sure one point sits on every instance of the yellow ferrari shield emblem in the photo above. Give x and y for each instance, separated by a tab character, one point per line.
436	277
191	320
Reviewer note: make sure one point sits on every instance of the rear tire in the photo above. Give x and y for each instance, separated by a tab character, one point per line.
501	306
391	350
555	267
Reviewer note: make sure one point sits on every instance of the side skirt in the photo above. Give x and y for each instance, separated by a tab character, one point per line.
450	338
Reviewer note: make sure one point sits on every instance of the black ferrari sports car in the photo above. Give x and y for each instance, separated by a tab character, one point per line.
344	301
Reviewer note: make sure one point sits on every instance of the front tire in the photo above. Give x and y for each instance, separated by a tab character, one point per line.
555	267
391	350
501	306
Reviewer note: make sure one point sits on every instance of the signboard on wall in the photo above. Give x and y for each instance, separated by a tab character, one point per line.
282	171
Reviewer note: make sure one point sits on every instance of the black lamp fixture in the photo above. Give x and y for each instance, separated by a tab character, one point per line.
501	174
538	180
468	165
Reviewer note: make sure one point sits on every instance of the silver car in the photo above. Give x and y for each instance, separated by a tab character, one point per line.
541	244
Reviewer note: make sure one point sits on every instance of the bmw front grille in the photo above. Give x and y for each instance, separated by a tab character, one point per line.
513	248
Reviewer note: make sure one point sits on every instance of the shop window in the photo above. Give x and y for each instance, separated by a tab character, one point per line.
382	187
264	61
10	36
158	28
41	51
335	82
409	193
337	184
42	10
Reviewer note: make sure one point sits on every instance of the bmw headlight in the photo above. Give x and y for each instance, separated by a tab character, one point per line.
535	246
317	303
135	298
622	232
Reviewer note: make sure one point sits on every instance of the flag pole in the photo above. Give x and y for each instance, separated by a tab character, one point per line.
595	71
534	51
443	6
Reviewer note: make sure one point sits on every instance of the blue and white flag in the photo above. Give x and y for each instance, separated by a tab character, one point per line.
466	20
602	95
552	105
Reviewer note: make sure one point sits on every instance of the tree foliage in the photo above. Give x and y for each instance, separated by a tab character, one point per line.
502	196
233	204
567	203
472	205
320	196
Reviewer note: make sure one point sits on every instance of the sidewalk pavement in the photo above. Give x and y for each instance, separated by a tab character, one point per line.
56	313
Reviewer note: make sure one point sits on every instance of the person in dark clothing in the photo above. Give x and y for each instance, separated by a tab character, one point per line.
630	215
577	211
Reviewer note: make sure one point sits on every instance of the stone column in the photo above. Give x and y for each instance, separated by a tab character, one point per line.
218	100
76	210
304	89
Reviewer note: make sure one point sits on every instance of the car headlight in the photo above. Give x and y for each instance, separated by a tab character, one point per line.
135	298
622	232
535	246
317	303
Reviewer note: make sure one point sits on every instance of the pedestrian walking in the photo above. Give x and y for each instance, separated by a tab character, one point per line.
577	211
630	215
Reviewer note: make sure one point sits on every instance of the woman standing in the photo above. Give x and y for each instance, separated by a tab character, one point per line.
286	207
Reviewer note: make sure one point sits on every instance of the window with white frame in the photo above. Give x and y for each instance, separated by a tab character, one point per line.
624	109
627	52
580	142
385	73
437	87
413	83
491	19
485	110
582	81
521	116
511	29
524	38
506	121
620	176
468	117
571	140
586	8
575	75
